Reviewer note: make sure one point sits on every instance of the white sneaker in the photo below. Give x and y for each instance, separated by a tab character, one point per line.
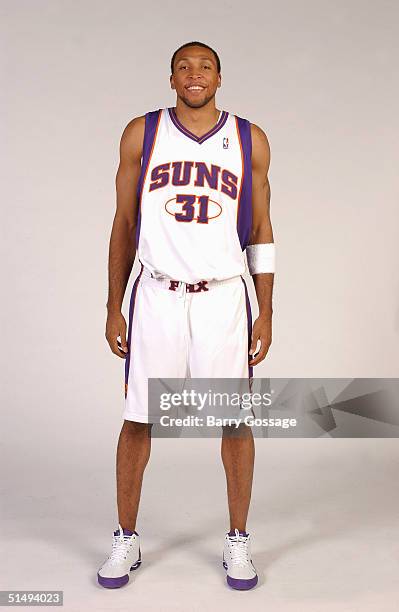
125	556
241	573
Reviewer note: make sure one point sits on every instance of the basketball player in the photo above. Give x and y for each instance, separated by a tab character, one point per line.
192	196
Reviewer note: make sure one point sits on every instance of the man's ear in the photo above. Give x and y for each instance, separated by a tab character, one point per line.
171	82
220	80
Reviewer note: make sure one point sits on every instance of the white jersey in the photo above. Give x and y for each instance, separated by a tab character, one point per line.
195	198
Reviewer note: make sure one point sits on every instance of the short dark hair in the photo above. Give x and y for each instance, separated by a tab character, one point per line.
195	43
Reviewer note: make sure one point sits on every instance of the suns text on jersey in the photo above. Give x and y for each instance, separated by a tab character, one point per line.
195	173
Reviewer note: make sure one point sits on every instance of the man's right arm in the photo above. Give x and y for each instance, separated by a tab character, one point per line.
122	247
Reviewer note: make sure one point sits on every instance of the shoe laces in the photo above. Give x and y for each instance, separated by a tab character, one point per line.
120	547
239	548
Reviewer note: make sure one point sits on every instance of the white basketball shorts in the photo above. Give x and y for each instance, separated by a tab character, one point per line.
177	330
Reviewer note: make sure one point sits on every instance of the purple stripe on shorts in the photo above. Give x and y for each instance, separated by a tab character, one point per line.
244	215
129	335
249	320
151	126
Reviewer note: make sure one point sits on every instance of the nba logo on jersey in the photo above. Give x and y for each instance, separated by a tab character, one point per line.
225	143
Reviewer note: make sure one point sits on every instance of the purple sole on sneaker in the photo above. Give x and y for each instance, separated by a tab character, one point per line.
240	584
113	583
120	581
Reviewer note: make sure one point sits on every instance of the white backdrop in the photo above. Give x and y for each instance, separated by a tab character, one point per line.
319	77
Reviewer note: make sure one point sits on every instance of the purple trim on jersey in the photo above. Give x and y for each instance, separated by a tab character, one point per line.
249	321
151	125
129	335
244	213
200	139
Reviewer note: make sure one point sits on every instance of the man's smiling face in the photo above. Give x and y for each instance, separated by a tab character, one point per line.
195	77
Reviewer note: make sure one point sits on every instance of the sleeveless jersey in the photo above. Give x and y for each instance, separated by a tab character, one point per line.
195	198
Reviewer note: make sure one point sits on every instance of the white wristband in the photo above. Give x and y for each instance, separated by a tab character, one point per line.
261	257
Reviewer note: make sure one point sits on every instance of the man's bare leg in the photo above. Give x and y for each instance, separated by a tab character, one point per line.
238	455
133	453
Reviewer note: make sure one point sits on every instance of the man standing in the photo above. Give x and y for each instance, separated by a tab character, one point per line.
192	195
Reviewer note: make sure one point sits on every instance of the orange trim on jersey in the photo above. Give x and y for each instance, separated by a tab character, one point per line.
243	168
149	158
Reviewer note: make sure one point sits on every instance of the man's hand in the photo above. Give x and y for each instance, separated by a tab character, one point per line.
116	327
262	330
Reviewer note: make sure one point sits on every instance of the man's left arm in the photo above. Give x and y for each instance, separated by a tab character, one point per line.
263	244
